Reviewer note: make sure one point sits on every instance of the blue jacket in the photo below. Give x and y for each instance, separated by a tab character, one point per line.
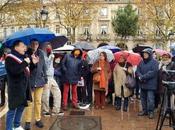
147	72
71	68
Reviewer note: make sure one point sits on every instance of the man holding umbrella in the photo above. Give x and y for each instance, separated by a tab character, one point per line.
38	79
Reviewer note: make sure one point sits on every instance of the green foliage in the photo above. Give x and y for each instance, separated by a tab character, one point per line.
125	22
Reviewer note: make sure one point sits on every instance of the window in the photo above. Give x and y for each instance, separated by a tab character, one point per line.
57	29
158	33
86	30
68	31
104	11
57	15
20	28
103	29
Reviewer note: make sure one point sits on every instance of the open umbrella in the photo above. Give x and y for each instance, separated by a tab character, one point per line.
93	55
102	44
133	58
110	47
41	34
160	52
65	48
84	45
140	48
58	41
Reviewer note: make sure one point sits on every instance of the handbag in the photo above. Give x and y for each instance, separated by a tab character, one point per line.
130	82
96	77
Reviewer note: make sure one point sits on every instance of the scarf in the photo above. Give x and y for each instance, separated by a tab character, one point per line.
103	81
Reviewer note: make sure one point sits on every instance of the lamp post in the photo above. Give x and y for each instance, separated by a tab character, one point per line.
44	15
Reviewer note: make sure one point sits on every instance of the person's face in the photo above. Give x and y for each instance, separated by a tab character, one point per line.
76	53
145	55
35	45
165	58
102	57
21	48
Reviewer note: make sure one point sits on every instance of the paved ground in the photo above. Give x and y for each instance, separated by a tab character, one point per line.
111	119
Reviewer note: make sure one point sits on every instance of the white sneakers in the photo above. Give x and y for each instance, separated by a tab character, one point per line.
18	128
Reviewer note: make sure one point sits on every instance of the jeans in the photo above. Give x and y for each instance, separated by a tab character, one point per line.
13	118
148	100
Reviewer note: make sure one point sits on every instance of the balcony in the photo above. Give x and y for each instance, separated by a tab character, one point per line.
85	37
103	37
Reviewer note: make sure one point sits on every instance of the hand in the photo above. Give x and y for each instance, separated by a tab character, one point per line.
35	59
27	60
82	78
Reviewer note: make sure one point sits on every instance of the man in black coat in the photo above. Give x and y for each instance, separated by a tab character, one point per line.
17	66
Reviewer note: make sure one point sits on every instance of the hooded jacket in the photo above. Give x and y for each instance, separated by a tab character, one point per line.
147	71
71	67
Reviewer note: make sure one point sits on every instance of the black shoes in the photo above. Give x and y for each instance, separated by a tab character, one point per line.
39	124
142	113
125	109
27	126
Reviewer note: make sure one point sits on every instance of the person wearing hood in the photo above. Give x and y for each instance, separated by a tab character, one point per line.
147	73
71	67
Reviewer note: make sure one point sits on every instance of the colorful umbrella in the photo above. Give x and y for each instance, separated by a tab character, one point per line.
93	55
114	49
140	48
130	57
41	34
160	52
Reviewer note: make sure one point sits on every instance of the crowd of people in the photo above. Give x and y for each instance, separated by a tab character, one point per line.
34	73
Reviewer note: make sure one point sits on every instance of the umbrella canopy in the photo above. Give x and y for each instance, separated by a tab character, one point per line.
93	55
65	48
110	47
102	44
84	45
133	58
140	48
58	41
41	34
160	52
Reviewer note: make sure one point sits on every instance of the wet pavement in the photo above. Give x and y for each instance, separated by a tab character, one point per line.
106	119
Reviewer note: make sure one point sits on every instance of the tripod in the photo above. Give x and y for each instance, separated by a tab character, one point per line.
168	111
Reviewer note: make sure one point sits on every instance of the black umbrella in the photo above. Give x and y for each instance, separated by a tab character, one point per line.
140	48
102	44
58	41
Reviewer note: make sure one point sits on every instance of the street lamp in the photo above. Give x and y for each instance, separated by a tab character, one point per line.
44	15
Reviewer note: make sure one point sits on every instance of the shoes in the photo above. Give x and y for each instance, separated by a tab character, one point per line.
125	109
84	106
151	115
96	107
142	113
46	114
27	126
102	107
118	108
39	124
18	128
58	114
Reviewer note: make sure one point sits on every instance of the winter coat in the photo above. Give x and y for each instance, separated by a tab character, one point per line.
38	77
18	83
71	68
107	72
119	81
165	76
147	72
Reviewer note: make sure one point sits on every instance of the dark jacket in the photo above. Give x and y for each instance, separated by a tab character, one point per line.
18	83
147	72
38	77
71	67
